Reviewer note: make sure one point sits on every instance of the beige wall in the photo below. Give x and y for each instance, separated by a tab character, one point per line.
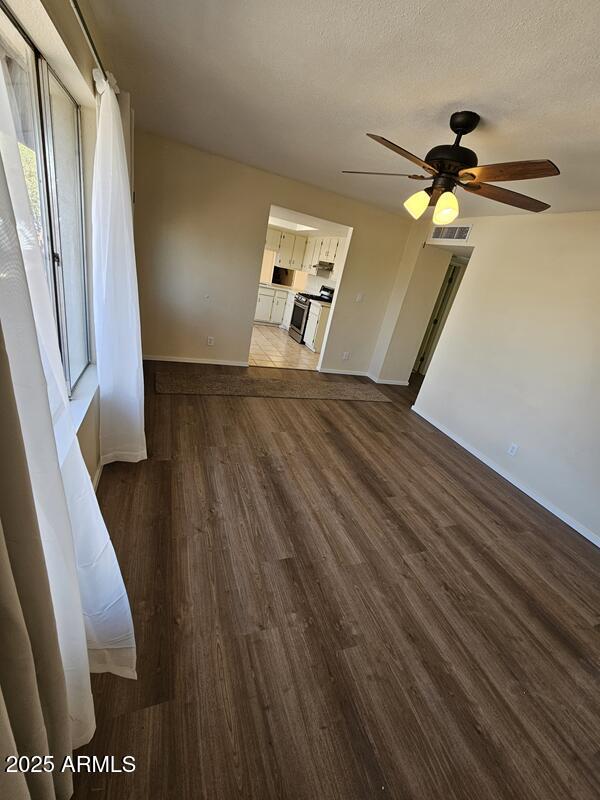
409	309
200	224
268	263
519	359
89	438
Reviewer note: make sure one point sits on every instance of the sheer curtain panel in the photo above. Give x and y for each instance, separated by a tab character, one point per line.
91	608
115	290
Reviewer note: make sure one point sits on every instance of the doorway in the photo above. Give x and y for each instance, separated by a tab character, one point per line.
443	304
302	265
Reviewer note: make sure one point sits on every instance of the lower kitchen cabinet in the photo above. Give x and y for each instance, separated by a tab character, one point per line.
314	333
288	311
264	305
278	307
271	305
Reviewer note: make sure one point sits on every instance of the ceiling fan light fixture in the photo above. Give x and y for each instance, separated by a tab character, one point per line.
446	209
417	203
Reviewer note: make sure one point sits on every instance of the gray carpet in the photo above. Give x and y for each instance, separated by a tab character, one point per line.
243	386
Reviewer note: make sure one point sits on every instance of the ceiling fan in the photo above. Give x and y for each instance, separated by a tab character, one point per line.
451	165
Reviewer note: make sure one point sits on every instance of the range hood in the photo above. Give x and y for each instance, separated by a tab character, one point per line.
325	266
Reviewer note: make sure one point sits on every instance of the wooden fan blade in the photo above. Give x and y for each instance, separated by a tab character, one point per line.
509	171
502	195
402	152
435	196
396	174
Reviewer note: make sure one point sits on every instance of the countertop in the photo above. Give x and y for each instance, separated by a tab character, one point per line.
278	286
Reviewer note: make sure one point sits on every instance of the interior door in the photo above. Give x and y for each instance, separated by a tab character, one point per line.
440	313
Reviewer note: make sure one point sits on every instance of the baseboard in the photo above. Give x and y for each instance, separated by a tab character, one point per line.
386	381
577	526
344	372
97	476
190	360
365	375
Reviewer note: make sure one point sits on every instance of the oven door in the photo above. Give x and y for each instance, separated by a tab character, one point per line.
298	321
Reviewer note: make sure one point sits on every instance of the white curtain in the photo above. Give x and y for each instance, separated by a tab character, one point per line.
91	608
116	304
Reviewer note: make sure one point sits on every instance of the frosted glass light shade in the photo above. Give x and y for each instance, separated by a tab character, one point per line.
417	204
446	209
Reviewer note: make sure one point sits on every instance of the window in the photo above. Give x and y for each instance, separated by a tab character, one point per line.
48	131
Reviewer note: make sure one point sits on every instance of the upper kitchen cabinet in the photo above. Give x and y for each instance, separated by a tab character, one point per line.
273	239
286	248
322	249
291	251
338	258
328	248
298	252
311	253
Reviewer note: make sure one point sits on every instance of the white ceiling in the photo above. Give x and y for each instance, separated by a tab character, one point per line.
293	87
321	227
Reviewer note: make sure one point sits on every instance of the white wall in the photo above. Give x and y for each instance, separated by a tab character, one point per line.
414	313
414	243
519	359
200	224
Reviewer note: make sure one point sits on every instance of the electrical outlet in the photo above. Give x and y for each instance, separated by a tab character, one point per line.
513	449
210	340
359	298
345	355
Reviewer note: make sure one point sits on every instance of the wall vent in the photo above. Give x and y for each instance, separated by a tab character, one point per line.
458	233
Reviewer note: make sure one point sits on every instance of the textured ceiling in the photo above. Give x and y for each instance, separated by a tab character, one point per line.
292	87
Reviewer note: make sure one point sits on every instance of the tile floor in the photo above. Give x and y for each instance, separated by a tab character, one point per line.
273	347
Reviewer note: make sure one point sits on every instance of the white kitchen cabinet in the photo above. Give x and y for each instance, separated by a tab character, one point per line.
312	323
330	247
273	239
286	248
271	305
337	259
314	333
309	251
288	311
298	252
313	254
327	248
291	251
264	305
278	307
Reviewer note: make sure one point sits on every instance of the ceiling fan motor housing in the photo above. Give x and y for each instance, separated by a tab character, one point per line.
451	158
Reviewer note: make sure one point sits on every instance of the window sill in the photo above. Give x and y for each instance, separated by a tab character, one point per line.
83	394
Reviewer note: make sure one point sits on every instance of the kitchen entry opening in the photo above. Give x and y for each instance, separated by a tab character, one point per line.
302	265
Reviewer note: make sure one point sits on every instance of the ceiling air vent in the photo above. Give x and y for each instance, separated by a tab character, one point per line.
458	233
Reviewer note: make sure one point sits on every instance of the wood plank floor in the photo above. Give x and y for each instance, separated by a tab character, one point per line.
333	600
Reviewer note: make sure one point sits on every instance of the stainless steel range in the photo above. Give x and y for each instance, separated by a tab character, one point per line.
302	308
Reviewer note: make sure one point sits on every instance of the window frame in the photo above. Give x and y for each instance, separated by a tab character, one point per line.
55	257
39	71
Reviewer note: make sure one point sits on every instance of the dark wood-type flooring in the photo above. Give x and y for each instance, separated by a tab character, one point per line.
334	600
